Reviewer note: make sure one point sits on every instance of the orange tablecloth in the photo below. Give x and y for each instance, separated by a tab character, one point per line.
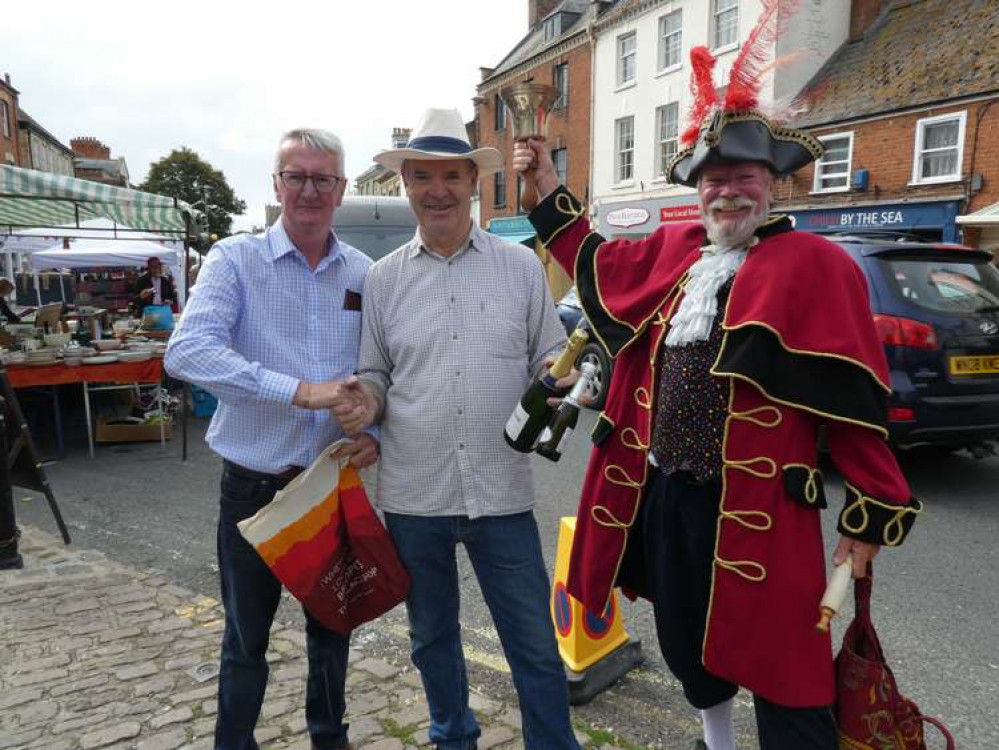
28	376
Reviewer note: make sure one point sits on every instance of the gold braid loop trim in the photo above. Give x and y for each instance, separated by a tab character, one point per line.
744	517
747	466
894	530
627	481
602	516
756	417
642	397
636	444
736	566
563	202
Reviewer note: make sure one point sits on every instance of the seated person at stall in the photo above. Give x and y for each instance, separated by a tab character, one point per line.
6	288
153	288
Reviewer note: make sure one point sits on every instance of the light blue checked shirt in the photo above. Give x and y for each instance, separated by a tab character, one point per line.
258	322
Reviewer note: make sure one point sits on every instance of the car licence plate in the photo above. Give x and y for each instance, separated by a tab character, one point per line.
974	365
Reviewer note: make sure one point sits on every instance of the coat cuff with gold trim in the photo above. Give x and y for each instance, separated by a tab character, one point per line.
556	212
868	519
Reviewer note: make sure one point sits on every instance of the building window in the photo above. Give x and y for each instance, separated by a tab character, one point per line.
725	23
670	39
499	114
939	148
562	86
560	158
553	27
626	59
5	119
832	171
668	130
499	189
624	137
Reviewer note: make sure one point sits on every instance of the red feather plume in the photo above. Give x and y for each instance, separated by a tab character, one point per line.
702	86
753	60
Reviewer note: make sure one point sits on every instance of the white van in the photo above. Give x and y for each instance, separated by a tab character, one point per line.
375	225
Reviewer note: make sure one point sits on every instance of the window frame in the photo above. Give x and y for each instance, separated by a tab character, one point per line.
631	36
661	165
661	68
919	151
716	15
619	152
552	28
562	102
564	173
499	189
817	177
498	107
7	130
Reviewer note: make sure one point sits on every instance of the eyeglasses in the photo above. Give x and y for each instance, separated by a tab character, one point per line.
324	183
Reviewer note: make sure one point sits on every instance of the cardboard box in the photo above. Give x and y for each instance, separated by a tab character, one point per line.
129	433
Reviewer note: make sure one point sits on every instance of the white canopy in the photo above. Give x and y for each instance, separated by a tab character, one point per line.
97	253
42	238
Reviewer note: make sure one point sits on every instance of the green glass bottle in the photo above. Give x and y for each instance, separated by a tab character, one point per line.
532	413
555	436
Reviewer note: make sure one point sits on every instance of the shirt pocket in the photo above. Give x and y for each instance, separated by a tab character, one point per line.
500	323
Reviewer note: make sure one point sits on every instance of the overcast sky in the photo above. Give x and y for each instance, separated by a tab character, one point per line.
227	78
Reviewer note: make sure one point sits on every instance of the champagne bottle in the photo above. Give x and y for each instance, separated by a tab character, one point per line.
556	435
533	412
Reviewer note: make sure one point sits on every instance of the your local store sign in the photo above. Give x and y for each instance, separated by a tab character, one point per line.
627	217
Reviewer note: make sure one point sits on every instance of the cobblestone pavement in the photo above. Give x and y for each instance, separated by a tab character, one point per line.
97	655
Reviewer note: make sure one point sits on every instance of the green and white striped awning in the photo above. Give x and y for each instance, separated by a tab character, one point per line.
29	198
986	217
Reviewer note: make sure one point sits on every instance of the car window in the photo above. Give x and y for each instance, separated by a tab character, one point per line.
942	284
375	241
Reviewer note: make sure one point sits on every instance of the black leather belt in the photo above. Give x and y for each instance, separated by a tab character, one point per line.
283	476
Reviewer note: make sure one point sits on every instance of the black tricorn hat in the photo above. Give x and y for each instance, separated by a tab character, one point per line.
741	136
733	129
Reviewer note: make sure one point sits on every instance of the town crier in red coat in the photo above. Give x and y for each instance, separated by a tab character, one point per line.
736	340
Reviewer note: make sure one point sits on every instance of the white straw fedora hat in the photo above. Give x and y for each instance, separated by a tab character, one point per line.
440	134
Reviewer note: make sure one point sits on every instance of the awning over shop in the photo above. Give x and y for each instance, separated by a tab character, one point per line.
29	198
985	217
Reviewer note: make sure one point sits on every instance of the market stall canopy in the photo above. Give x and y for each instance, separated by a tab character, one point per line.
988	216
29	198
44	238
100	253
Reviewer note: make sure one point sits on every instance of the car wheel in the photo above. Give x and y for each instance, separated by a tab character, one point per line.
595	355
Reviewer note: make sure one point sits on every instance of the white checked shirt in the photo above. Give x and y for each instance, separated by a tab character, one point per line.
452	343
258	322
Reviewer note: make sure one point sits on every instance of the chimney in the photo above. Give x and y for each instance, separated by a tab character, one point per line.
863	14
400	137
89	148
538	9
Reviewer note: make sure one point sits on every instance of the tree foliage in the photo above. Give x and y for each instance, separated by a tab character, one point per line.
185	175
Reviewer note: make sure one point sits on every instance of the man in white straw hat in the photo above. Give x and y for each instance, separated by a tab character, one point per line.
456	323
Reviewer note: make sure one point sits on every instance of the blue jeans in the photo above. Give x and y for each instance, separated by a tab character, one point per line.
250	594
506	554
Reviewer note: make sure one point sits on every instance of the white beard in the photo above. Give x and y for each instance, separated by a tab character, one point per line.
726	235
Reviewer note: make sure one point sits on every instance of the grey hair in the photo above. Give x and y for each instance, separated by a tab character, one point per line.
315	138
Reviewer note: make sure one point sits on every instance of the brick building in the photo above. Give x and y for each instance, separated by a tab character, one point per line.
41	150
93	162
906	110
9	151
376	179
557	50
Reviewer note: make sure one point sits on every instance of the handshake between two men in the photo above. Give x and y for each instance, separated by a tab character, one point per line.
355	407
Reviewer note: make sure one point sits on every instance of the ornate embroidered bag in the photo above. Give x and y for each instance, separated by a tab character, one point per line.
871	713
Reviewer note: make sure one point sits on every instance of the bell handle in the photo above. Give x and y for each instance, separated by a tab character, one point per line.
529	195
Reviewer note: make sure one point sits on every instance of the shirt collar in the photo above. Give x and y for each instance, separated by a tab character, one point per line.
472	242
279	244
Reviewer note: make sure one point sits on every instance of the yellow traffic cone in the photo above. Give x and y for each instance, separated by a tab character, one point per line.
596	648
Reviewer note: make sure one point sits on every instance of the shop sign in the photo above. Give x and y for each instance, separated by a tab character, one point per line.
685	212
895	216
511	225
627	217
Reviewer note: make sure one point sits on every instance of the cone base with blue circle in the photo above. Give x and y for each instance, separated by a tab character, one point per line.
595	648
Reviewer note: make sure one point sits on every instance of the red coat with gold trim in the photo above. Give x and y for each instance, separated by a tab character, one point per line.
800	351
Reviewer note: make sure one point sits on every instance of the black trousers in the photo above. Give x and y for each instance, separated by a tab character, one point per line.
678	524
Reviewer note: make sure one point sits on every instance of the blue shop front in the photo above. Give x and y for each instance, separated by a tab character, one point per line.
929	220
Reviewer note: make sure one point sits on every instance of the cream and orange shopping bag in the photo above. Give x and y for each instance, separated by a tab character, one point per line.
324	542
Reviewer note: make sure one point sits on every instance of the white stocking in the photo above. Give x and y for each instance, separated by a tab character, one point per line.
719	732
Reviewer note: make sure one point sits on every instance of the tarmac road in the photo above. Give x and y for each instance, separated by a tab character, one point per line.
935	599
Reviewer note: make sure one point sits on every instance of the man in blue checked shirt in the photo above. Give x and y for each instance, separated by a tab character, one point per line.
272	329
